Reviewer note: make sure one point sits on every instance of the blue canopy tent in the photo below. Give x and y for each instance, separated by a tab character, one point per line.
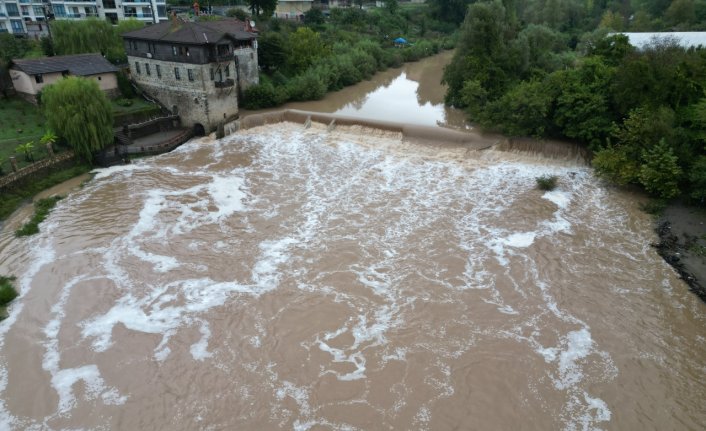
401	41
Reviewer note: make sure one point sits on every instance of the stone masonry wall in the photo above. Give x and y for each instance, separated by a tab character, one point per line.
198	101
247	67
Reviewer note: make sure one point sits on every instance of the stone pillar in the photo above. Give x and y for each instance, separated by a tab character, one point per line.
50	150
13	162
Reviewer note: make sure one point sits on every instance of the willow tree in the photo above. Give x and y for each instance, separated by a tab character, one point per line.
78	111
92	36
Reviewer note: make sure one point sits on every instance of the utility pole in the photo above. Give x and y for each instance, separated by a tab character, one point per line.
45	8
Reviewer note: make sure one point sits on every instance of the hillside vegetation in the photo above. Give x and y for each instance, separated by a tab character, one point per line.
550	68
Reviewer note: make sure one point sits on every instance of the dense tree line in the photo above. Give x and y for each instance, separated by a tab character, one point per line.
641	112
303	61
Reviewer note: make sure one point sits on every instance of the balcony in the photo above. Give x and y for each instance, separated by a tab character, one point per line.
78	15
224	84
137	15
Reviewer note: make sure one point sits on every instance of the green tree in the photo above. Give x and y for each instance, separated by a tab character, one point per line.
522	111
660	173
392	6
92	35
79	112
615	164
10	48
264	8
272	51
305	47
314	17
482	54
237	13
582	108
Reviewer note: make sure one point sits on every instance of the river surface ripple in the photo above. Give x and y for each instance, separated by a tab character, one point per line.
284	278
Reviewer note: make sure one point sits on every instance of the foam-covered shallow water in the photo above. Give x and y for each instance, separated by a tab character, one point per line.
285	278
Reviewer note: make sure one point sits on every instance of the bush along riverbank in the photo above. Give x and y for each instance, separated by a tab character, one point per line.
7	294
304	62
41	210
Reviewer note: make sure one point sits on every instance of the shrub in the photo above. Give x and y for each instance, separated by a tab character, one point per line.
125	86
41	210
124	102
307	86
547	182
263	95
7	291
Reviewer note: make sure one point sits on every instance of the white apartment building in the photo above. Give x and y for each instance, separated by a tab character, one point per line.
27	17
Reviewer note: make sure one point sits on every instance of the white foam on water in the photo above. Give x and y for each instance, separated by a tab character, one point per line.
153	315
63	380
199	350
520	239
227	193
559	197
125	171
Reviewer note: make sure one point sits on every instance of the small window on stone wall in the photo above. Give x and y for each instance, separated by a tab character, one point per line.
39	79
227	71
213	76
159	70
147	69
174	50
100	78
190	73
137	68
176	73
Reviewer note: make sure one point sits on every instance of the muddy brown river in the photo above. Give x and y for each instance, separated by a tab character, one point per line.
307	279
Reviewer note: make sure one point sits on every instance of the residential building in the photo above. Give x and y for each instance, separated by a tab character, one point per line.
21	17
29	76
195	69
292	9
685	39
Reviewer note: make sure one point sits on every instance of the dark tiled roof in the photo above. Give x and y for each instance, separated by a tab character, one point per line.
194	33
80	65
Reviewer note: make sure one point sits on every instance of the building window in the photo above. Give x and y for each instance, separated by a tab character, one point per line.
190	72
159	70
59	10
227	71
134	45
38	11
17	26
100	78
176	73
213	76
39	79
174	50
12	9
147	69
137	68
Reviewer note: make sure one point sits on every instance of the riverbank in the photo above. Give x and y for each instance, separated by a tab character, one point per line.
682	243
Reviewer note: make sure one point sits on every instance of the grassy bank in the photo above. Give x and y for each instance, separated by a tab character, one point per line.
41	210
12	199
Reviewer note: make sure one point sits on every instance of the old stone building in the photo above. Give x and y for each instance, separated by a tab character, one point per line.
196	69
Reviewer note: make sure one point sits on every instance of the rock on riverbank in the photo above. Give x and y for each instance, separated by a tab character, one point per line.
682	243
